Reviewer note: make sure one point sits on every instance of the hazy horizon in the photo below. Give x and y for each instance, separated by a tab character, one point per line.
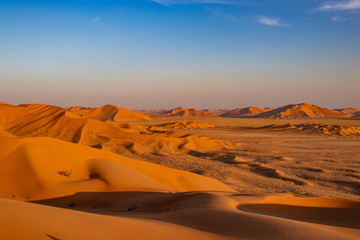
174	106
143	54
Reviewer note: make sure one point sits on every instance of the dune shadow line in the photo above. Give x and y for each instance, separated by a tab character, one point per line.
52	237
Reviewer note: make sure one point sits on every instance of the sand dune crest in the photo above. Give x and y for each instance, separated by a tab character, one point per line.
186	112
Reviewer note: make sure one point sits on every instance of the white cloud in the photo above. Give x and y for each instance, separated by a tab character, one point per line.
230	17
270	21
338	19
95	21
173	2
219	14
340	5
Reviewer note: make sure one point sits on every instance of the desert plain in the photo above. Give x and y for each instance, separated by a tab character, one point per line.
112	173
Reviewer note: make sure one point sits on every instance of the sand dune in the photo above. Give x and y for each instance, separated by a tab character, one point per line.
291	111
51	164
186	112
246	112
195	215
302	110
151	112
327	129
216	111
40	168
120	198
350	110
221	213
58	224
187	125
41	120
109	113
81	111
50	121
113	113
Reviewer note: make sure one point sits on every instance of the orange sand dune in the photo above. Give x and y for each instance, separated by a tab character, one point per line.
115	197
193	215
350	110
41	168
187	125
221	213
109	113
50	121
151	112
38	222
81	111
246	112
186	112
145	139
327	129
302	110
41	120
217	111
113	113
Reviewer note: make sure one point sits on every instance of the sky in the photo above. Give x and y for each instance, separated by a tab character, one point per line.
154	54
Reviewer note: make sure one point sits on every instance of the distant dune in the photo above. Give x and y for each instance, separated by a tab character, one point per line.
81	111
36	120
120	198
217	111
327	129
187	125
110	113
187	112
291	111
151	112
302	110
246	112
60	178
351	110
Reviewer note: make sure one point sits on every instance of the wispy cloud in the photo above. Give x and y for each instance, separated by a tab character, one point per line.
338	19
174	2
216	13
270	21
339	6
95	21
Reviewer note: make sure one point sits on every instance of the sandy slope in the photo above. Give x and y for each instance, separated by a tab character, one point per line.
291	111
196	215
81	111
327	129
186	112
43	180
50	121
37	222
186	125
350	110
217	111
246	112
302	110
150	112
108	113
30	170
114	113
120	198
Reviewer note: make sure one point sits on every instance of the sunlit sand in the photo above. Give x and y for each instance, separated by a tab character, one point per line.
89	173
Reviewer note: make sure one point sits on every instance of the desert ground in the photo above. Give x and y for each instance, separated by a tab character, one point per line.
264	158
111	173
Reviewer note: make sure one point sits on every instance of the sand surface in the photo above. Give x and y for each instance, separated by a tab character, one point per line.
66	174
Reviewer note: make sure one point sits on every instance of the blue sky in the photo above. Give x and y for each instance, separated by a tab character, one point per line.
169	53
